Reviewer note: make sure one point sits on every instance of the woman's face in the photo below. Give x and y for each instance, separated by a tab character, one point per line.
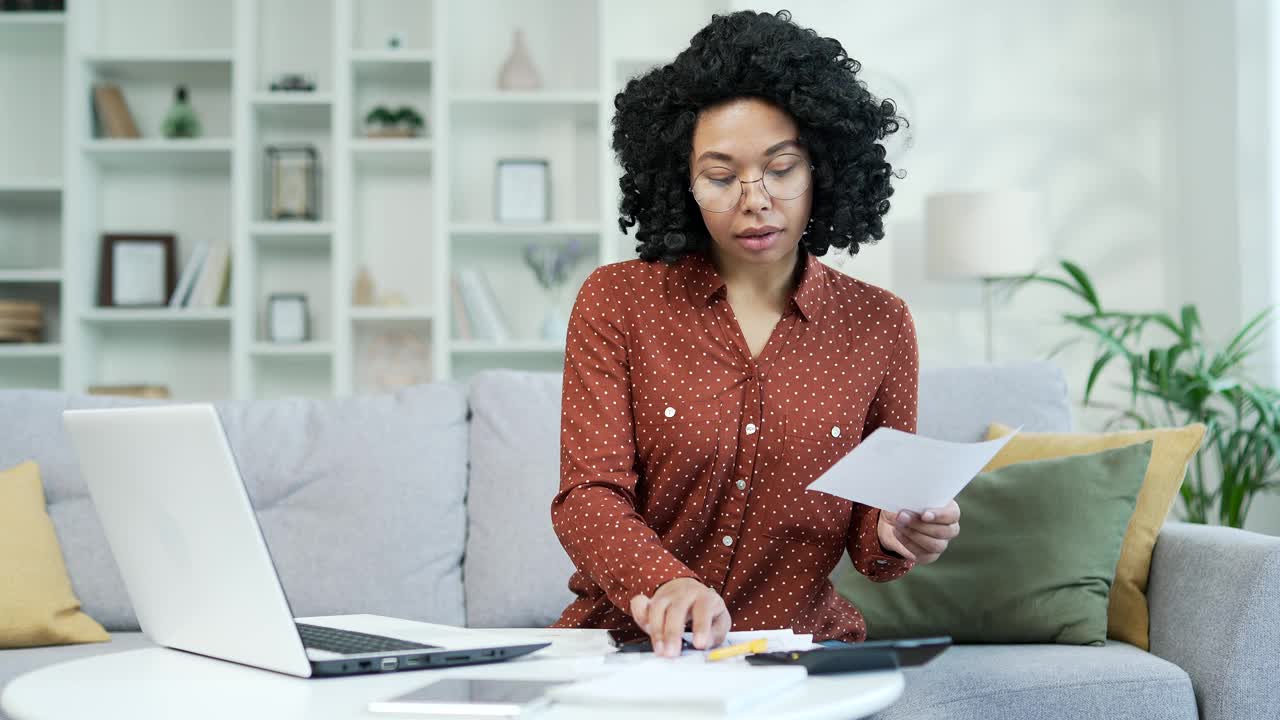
741	137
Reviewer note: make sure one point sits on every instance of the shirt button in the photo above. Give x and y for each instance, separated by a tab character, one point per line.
742	484
751	428
835	431
727	540
671	412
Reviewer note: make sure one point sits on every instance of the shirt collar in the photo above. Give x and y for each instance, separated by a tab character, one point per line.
706	283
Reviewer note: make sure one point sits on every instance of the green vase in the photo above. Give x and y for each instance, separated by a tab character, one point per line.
181	121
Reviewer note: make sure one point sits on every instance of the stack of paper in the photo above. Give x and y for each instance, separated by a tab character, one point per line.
778	639
723	689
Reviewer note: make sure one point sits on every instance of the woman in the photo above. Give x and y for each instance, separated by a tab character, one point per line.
708	382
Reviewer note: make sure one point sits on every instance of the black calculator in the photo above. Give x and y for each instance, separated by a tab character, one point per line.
865	656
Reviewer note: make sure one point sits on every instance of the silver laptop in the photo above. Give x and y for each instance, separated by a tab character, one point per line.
182	530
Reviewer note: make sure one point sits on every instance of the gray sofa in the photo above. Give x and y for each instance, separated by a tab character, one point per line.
432	503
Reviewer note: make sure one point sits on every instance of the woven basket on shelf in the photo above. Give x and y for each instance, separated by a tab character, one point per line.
21	321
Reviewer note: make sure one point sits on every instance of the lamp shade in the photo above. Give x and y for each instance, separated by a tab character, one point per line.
996	233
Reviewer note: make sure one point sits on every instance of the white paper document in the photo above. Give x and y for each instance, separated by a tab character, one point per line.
895	470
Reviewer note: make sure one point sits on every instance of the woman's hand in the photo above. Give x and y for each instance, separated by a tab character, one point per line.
919	536
677	602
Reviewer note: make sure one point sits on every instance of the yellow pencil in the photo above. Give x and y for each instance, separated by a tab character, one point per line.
744	648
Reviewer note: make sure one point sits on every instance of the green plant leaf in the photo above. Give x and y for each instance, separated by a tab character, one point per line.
1086	285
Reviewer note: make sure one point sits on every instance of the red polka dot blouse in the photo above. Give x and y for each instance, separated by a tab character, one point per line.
681	455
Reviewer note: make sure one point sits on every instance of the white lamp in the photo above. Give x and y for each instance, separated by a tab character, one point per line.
985	235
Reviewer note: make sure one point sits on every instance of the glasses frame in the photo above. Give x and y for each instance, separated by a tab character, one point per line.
742	184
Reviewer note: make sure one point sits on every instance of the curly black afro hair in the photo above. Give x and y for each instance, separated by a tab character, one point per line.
754	54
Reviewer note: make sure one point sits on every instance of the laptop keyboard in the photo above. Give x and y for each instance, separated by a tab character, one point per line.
349	642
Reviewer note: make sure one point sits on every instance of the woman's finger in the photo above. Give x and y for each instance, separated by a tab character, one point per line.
673	623
720	625
946	515
918	553
940	531
640	611
929	543
703	611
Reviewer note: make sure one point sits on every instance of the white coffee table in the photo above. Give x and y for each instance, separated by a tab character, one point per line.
160	684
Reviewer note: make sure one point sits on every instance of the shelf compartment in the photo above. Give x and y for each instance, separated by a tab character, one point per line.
562	38
565	135
375	20
192	358
147	82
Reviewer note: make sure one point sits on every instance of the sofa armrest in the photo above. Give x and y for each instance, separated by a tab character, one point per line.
1214	596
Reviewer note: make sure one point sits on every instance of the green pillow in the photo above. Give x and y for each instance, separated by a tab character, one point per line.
1034	560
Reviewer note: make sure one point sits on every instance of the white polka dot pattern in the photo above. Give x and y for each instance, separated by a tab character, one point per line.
682	455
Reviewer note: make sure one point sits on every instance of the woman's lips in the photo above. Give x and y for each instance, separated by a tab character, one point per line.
759	242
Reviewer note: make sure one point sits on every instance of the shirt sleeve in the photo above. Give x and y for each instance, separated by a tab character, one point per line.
594	513
895	405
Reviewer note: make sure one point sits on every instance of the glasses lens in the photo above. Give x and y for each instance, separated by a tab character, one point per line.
786	177
717	189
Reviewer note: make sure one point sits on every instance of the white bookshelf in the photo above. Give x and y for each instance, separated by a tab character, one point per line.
412	210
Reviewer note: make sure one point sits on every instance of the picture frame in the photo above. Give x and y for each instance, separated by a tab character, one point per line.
288	318
291	182
137	269
522	190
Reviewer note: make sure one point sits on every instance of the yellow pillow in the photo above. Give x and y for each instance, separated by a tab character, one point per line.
1171	450
37	604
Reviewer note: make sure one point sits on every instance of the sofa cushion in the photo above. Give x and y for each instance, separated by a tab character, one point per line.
37	605
517	572
959	403
1046	682
361	499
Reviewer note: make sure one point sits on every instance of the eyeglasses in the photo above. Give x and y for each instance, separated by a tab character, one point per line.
785	177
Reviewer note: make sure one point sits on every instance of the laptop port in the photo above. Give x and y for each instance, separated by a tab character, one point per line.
490	653
389	664
413	661
365	664
456	658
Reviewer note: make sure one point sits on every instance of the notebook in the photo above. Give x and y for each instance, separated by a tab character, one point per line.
673	687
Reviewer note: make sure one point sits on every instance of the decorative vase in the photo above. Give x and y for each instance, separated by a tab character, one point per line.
555	322
518	72
181	121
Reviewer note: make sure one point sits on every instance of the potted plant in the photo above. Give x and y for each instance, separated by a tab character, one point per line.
1182	381
382	121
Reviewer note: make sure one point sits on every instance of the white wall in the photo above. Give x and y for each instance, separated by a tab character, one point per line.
1125	115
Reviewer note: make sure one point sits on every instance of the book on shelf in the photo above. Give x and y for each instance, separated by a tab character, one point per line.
487	322
111	116
189	274
461	323
137	391
211	284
